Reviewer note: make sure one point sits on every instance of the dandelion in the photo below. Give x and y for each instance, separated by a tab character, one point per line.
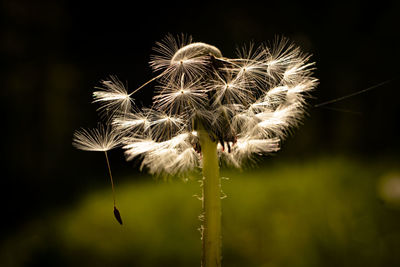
208	110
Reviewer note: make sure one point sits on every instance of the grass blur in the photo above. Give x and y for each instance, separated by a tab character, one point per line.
327	212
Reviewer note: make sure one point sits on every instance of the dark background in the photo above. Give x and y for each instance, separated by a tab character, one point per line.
55	52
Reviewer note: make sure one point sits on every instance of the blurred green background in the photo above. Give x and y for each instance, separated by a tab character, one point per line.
325	212
330	197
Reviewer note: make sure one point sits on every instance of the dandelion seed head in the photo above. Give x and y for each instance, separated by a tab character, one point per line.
131	123
247	104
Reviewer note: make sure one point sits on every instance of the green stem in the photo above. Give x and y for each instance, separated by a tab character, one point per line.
211	202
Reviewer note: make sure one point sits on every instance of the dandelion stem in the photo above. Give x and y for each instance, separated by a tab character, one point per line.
211	202
111	178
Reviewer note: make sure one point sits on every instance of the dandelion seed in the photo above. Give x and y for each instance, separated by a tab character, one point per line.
113	97
250	66
182	97
280	56
229	89
166	49
103	138
117	215
163	126
181	56
138	146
